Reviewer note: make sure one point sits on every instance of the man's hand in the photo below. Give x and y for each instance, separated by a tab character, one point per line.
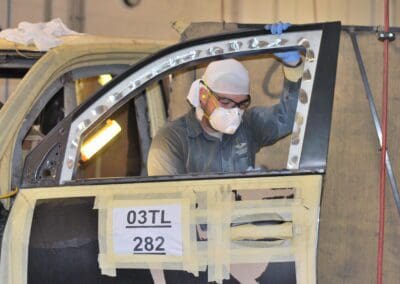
290	58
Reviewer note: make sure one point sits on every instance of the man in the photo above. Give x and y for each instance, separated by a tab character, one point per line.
221	133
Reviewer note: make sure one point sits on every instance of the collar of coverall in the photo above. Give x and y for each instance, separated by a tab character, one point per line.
194	128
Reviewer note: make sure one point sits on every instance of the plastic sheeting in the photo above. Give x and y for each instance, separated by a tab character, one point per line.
43	35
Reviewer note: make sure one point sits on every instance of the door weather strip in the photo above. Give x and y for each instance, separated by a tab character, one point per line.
372	107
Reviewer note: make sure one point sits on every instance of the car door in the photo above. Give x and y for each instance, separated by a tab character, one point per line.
234	227
58	82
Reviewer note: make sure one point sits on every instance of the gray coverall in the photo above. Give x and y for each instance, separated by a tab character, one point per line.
182	146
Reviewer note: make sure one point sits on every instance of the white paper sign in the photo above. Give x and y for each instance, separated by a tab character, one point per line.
148	230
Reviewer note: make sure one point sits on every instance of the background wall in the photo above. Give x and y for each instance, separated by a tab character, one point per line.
347	247
153	19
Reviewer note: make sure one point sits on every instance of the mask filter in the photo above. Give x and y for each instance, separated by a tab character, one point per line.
226	120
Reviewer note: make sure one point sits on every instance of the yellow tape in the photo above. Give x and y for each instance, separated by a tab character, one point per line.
218	233
190	260
14	253
5	173
110	261
293	73
254	232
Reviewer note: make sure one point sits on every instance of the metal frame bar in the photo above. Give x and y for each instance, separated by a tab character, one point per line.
375	117
316	139
143	131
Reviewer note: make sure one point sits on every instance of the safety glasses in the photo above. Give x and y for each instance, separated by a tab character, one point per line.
226	102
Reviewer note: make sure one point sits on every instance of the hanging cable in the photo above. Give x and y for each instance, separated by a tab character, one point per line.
9	194
382	184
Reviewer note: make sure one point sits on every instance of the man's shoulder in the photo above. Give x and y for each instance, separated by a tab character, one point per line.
180	123
175	128
254	111
258	116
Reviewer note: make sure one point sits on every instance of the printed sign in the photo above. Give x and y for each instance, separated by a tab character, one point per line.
148	230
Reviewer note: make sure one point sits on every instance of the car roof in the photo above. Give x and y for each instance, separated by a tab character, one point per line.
16	59
82	39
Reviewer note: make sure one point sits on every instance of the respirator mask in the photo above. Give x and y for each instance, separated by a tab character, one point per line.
226	120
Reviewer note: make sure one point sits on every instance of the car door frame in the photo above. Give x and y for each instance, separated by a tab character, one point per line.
316	94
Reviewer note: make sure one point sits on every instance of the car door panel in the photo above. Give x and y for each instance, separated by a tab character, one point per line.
69	226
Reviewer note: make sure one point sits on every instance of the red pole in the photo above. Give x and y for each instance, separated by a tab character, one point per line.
384	143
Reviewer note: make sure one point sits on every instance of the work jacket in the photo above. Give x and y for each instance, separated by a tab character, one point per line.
182	146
